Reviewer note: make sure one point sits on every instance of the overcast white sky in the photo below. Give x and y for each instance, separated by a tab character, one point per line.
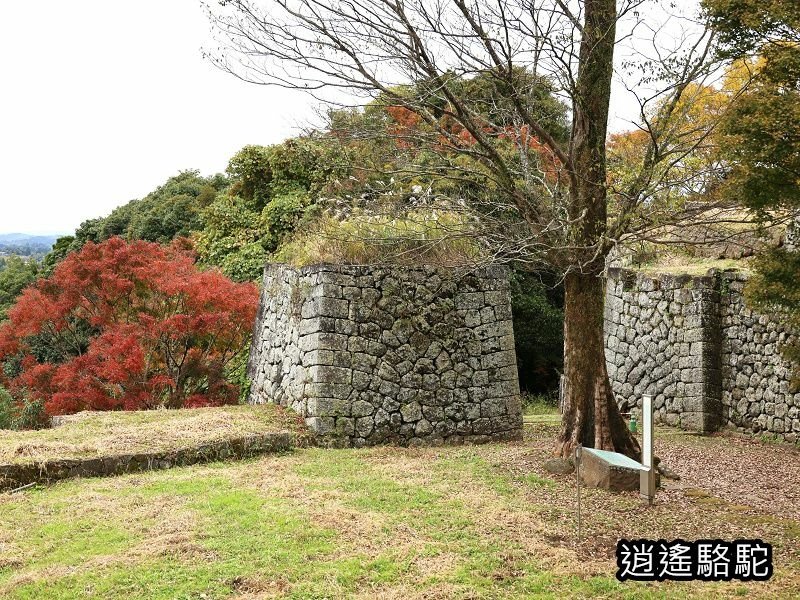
101	101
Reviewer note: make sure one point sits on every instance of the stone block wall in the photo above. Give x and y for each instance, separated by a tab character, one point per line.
792	237
707	359
756	393
372	355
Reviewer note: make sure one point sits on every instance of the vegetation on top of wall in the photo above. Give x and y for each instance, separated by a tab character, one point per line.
415	237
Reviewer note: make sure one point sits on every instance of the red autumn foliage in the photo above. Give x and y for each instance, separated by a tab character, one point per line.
403	116
127	325
407	123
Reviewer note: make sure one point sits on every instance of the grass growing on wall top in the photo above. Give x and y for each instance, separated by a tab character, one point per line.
417	237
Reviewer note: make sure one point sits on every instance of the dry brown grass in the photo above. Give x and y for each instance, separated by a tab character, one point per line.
99	434
678	264
418	237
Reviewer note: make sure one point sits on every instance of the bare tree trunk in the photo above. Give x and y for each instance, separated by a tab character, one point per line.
591	415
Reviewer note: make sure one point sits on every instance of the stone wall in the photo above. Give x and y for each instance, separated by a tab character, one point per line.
792	237
372	355
707	359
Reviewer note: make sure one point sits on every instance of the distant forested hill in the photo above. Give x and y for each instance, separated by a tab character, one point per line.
24	244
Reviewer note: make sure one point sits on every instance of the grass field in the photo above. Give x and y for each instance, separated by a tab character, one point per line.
540	408
453	522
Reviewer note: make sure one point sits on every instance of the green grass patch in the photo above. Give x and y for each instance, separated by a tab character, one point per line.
466	522
68	542
539	405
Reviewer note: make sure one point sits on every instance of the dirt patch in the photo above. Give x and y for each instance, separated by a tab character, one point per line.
730	488
437	591
741	471
250	588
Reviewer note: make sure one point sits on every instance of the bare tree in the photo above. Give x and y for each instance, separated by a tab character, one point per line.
377	48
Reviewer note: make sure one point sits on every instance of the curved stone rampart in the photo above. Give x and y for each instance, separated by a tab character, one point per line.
371	355
708	360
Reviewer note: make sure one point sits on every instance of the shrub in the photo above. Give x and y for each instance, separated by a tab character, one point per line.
282	213
20	415
122	325
537	306
540	404
7	409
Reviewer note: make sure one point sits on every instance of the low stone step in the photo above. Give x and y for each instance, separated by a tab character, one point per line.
16	475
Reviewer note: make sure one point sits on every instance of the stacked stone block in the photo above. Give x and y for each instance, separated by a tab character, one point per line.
757	394
662	338
705	357
372	355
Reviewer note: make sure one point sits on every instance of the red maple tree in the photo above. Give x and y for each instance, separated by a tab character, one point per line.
127	325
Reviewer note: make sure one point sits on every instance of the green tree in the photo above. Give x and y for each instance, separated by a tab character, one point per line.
232	238
273	189
172	210
762	137
308	163
252	174
537	304
165	219
15	277
58	252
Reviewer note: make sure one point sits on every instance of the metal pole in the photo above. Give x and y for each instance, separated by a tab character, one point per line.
24	487
647	479
578	485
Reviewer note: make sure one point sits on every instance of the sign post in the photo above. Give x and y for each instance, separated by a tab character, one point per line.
647	478
578	485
